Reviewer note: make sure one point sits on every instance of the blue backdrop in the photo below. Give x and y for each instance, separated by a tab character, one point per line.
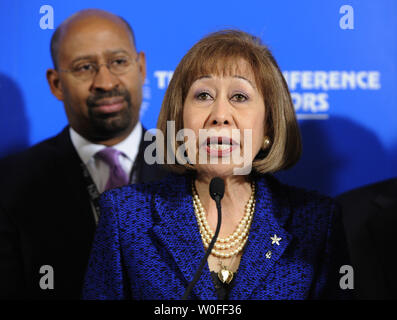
340	63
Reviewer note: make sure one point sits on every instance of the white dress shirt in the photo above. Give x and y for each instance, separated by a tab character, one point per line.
97	168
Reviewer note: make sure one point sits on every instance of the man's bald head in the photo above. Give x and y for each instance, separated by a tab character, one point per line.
99	76
61	30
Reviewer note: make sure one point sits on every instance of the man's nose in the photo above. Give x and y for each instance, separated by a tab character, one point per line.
104	80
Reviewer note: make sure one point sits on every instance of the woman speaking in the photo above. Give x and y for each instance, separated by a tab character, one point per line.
230	100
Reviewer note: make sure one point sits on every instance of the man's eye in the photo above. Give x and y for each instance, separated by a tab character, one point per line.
239	97
84	67
120	61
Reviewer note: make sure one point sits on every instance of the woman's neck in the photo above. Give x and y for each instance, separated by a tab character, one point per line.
237	193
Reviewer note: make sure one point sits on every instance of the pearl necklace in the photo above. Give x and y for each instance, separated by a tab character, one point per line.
237	239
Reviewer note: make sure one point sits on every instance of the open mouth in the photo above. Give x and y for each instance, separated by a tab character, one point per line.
220	146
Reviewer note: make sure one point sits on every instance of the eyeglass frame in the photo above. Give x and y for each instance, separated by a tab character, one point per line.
98	67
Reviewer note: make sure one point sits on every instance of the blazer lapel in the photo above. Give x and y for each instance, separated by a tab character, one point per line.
262	250
178	232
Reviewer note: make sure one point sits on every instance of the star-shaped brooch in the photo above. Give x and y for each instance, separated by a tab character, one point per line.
275	240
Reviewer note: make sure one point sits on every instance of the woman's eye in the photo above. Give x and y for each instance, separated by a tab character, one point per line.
203	96
239	97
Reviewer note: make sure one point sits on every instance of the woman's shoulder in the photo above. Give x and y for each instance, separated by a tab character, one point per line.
140	193
301	202
296	194
137	206
307	215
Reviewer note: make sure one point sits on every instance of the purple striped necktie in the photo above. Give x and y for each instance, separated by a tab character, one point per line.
117	175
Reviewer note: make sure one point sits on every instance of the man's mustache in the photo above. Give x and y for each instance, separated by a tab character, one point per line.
92	100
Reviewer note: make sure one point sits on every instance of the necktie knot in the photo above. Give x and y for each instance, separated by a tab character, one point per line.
110	156
117	175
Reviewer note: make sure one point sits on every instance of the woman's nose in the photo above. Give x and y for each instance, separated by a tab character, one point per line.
221	113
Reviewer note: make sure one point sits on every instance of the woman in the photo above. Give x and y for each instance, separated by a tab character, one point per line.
275	242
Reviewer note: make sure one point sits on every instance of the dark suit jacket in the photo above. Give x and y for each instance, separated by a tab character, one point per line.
46	219
148	245
370	219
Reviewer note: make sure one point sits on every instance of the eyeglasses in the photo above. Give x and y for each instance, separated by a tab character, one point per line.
88	70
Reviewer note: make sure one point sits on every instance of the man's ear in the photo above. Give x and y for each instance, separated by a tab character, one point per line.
142	65
55	83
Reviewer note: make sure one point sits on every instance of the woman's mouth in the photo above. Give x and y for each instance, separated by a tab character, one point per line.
220	146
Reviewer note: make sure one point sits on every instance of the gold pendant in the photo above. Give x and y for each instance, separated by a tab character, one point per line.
225	275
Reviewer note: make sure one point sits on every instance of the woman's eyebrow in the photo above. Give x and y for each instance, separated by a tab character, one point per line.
243	78
235	76
204	77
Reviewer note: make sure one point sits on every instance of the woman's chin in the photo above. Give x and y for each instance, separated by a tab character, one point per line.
218	170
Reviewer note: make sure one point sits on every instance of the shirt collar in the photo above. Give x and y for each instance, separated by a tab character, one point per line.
86	149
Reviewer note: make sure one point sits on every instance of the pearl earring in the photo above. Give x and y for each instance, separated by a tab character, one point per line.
266	143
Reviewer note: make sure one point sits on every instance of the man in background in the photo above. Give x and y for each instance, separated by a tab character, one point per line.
49	193
370	219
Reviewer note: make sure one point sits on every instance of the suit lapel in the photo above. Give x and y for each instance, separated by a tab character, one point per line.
178	232
68	166
261	252
146	172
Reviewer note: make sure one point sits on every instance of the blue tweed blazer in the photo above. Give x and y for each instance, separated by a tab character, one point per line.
148	245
